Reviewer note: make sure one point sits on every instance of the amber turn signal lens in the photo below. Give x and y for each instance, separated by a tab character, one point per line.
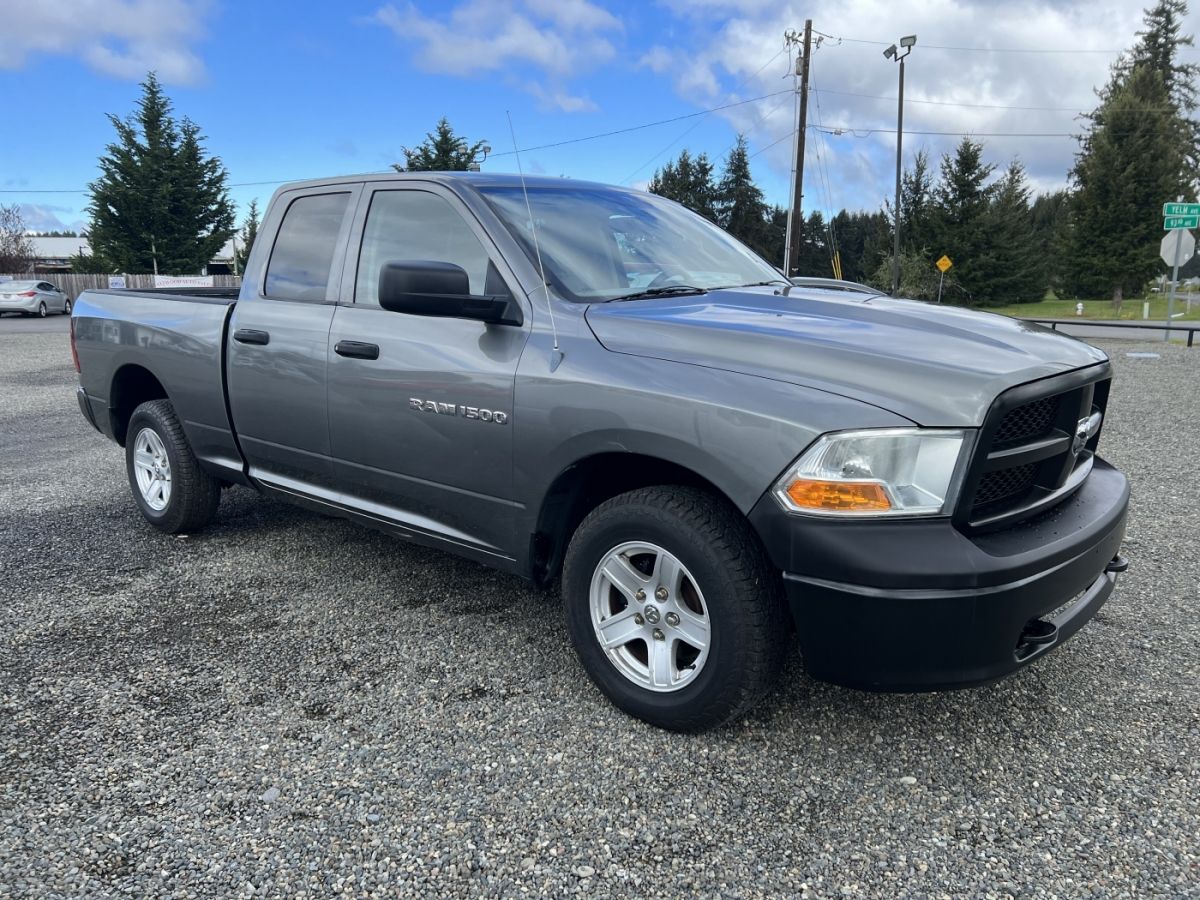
839	495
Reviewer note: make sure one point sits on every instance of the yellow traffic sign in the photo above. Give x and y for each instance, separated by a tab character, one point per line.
943	264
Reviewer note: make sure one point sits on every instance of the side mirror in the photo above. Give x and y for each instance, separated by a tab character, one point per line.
423	287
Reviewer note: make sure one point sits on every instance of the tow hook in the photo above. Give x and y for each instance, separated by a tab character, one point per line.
1038	631
1117	564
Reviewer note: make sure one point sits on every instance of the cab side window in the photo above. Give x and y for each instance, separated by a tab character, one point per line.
303	253
416	225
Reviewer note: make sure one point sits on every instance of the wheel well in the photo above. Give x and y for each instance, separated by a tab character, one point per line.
585	485
131	387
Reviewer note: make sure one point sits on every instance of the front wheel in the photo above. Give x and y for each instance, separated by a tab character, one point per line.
673	608
173	493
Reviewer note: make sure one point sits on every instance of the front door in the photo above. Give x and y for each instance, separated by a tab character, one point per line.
279	343
420	407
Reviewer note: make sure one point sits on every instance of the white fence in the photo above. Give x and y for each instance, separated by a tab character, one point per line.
74	285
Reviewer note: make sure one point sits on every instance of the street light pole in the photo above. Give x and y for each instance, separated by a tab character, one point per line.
906	43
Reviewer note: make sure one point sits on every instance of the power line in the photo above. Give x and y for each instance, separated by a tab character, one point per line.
1077	109
593	137
578	140
1056	51
688	131
867	132
773	143
951	103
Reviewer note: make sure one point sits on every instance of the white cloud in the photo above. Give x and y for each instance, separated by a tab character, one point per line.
121	38
556	38
550	98
46	217
731	41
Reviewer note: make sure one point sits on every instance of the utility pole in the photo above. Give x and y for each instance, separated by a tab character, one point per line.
906	45
796	215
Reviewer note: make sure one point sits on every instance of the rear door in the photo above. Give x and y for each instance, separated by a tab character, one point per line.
422	433
279	340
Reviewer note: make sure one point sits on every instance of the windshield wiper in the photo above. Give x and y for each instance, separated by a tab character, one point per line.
760	283
666	291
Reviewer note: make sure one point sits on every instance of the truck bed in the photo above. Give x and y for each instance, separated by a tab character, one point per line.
174	336
222	295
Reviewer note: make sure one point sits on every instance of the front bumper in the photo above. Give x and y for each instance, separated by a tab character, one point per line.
918	605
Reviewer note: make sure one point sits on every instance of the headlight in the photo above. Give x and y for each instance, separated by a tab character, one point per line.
881	472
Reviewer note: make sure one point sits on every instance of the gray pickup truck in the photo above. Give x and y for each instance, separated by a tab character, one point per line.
570	380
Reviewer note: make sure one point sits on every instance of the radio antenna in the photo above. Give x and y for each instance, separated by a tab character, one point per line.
536	246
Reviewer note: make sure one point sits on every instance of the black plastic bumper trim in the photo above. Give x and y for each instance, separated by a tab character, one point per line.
85	407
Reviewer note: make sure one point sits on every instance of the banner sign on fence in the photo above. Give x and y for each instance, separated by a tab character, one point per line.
116	282
171	281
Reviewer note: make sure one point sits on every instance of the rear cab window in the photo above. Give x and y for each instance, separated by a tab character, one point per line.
304	251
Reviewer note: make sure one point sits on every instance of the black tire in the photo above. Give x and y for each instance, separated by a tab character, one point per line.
743	594
41	310
195	494
67	307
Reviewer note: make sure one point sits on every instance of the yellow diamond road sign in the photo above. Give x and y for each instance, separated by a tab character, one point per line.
944	263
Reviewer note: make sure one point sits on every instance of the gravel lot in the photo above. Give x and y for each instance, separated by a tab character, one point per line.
289	705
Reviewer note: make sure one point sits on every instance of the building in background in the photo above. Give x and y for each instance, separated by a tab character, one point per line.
53	255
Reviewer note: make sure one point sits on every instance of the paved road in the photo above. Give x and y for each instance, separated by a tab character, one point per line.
290	704
14	324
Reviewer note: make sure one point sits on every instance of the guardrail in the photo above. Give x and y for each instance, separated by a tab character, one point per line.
1145	326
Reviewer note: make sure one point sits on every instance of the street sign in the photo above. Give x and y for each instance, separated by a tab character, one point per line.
943	264
1177	248
1181	209
1170	222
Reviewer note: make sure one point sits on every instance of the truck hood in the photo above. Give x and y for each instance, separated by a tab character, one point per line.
935	365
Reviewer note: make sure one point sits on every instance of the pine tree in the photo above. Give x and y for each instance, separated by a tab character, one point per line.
16	249
814	247
917	206
688	181
959	223
860	241
741	209
245	238
1014	268
1050	214
441	151
1131	161
775	248
160	201
1159	48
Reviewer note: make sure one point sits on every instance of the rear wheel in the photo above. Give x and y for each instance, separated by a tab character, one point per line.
67	307
174	494
41	310
673	608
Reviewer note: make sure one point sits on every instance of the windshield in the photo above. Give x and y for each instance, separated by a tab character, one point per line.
602	244
15	286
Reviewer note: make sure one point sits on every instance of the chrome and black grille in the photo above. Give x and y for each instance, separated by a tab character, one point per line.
1030	420
1004	484
1034	449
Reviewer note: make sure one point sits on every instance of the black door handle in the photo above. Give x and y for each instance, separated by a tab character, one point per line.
356	349
250	336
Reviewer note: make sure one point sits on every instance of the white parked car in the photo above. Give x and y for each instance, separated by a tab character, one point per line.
33	298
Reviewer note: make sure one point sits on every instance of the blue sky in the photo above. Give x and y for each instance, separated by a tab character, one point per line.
305	89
